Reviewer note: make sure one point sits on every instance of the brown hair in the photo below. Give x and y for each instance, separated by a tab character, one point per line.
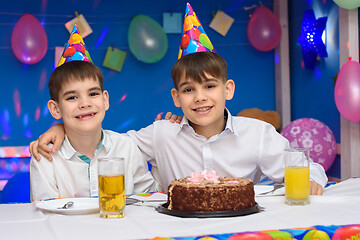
195	65
74	70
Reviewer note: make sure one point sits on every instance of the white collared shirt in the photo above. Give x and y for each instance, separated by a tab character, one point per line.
246	148
68	176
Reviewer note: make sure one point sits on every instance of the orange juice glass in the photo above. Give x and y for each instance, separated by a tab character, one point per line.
297	176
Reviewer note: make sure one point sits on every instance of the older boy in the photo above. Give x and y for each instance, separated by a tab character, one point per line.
78	98
209	137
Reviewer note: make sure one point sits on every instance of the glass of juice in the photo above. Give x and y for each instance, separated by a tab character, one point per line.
297	176
111	187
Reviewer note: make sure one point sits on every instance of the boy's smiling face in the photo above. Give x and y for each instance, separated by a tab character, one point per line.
204	103
82	106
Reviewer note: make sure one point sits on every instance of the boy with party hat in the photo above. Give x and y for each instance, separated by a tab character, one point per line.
78	98
209	137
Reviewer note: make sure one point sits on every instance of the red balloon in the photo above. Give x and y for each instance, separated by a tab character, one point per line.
185	40
28	40
264	30
69	52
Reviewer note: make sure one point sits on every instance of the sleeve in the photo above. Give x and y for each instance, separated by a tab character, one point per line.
42	180
142	178
272	146
317	173
144	138
272	165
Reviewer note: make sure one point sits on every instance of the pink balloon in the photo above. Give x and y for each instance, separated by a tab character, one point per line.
28	40
314	135
264	30
347	91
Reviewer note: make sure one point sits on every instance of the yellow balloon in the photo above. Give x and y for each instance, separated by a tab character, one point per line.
61	61
195	20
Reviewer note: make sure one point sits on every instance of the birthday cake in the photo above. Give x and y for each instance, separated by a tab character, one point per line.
206	192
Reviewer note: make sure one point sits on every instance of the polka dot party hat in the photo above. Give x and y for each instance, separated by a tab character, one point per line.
194	38
75	49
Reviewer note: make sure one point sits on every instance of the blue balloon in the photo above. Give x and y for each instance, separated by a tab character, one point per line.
147	39
192	47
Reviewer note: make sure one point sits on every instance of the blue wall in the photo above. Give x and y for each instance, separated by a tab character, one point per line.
146	87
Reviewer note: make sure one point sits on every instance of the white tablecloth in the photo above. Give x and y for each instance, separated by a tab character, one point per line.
340	205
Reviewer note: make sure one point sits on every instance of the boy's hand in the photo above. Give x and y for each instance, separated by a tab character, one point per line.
315	188
169	116
55	135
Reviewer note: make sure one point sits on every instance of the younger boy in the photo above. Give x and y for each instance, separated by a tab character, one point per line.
78	98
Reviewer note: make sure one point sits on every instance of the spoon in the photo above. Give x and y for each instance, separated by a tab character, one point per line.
276	187
130	201
67	205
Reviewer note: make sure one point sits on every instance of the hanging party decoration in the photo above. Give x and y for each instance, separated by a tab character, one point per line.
347	91
221	23
172	22
264	30
114	59
29	40
348	4
314	135
147	39
81	23
311	38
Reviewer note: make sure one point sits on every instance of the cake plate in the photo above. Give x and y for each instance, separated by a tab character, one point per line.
185	214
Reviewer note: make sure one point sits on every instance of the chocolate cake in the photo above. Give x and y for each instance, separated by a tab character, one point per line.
207	192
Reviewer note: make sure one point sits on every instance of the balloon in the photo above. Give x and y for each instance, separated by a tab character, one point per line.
347	91
147	40
314	135
264	30
348	4
28	40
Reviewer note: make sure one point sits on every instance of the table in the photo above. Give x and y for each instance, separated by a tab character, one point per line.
340	205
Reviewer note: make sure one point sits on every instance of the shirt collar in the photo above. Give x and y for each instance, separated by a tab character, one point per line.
68	151
227	115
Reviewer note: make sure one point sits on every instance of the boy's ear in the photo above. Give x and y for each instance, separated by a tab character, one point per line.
175	96
230	89
54	109
106	99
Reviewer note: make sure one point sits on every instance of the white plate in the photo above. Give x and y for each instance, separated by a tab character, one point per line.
81	205
265	188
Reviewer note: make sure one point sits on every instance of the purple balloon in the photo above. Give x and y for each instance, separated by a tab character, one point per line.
264	30
314	135
347	91
28	40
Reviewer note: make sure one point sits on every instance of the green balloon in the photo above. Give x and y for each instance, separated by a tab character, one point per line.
348	4
147	39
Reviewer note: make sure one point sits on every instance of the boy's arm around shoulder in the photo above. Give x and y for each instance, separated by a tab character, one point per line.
42	179
149	139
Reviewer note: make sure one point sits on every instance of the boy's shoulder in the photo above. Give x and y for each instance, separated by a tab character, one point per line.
117	138
246	122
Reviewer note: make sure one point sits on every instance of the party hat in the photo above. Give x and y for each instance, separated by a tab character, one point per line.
75	49
194	38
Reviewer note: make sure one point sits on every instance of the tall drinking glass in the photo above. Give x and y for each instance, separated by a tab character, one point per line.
111	187
297	176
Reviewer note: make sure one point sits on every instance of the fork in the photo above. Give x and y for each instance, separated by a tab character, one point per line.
276	187
130	201
67	205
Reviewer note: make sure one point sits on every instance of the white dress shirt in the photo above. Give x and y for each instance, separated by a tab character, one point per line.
68	176
246	148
